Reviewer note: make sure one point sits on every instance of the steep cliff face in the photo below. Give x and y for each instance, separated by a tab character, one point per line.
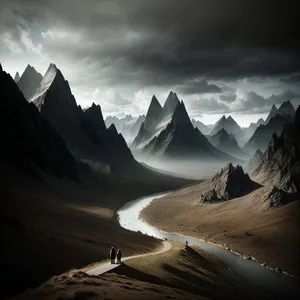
281	160
29	82
28	140
56	104
229	183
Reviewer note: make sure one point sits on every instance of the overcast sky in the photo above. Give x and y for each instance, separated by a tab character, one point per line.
220	57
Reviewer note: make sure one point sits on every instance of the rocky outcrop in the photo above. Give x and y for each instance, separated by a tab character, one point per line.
229	183
274	197
28	141
281	160
29	82
254	161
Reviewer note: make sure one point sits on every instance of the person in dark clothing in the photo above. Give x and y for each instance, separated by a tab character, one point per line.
119	256
186	244
112	255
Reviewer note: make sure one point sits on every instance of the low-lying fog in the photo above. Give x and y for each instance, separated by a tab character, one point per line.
190	169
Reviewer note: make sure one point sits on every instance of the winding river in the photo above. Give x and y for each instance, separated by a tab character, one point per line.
265	279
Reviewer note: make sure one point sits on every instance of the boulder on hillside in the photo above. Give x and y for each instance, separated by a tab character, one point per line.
275	197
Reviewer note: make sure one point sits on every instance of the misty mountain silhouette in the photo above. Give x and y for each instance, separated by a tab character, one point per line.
229	124
181	140
227	143
263	133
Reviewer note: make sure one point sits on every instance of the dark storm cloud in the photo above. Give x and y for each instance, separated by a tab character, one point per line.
206	105
198	86
253	103
173	40
228	98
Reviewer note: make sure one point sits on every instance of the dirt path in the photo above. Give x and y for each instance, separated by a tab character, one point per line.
108	266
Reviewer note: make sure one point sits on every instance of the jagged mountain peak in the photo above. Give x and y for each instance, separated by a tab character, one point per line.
229	124
53	77
286	108
17	77
229	183
112	129
154	101
29	81
231	120
29	70
180	116
95	111
274	108
154	106
153	113
170	105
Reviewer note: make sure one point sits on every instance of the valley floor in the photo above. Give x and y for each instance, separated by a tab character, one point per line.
245	224
50	228
176	274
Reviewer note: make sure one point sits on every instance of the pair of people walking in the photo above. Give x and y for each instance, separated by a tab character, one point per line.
114	255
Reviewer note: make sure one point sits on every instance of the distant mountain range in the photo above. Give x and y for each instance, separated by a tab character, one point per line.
201	126
168	132
128	126
227	143
277	119
229	124
285	109
165	131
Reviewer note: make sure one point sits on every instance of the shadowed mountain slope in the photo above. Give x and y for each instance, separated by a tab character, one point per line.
28	140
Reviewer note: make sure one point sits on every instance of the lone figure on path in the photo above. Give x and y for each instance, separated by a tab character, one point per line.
119	256
186	244
112	255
